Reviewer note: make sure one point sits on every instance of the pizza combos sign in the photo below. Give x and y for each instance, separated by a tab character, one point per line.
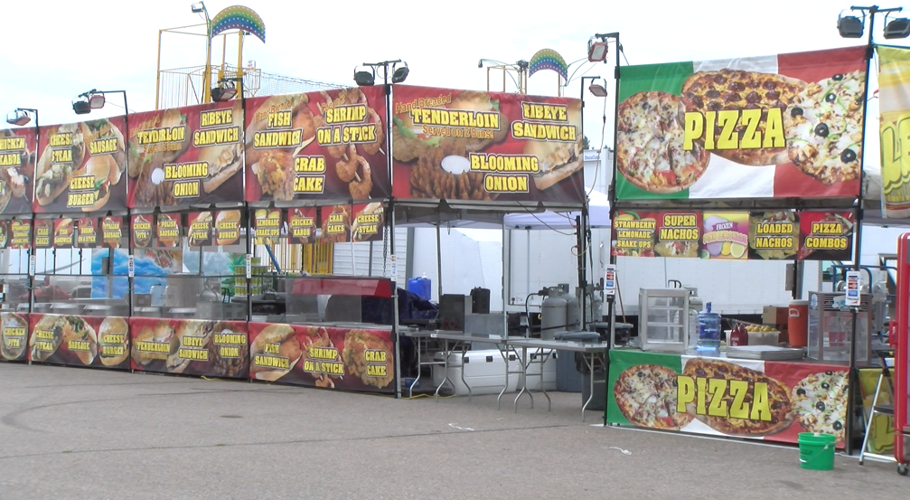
483	146
186	156
327	357
771	127
728	235
79	340
750	399
81	166
17	168
319	145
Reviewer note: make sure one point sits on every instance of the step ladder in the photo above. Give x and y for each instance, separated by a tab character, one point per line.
886	384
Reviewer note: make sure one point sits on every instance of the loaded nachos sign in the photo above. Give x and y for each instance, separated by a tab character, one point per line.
771	127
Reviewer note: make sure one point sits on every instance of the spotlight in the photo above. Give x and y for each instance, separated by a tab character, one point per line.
18	117
898	28
198	8
82	107
96	101
364	78
400	74
597	50
221	94
850	26
598	90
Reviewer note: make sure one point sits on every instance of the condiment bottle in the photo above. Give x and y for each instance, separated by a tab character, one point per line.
738	336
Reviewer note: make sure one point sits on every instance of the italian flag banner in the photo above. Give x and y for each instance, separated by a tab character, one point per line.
779	126
894	106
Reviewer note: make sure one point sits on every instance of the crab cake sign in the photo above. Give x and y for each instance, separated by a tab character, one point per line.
318	145
484	146
186	155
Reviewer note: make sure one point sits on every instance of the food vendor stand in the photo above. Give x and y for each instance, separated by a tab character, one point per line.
751	174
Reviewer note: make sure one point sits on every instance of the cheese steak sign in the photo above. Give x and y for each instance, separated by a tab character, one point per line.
319	145
737	398
469	145
783	126
186	155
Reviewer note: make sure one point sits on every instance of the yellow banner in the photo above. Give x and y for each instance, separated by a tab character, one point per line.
894	103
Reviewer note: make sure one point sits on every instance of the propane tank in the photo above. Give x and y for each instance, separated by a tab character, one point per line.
552	314
573	310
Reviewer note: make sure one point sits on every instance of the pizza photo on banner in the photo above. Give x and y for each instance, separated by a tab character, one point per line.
826	235
633	233
185	156
319	145
190	347
79	340
302	225
81	167
772	401
17	169
13	336
483	146
327	357
764	127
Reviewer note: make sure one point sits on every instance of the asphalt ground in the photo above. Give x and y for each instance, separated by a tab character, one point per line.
80	433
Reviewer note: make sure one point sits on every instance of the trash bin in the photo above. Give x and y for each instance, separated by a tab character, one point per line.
568	378
599	401
576	376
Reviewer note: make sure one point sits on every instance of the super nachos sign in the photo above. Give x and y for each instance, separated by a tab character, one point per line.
770	127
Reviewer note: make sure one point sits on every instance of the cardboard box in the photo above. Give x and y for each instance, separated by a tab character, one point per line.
775	315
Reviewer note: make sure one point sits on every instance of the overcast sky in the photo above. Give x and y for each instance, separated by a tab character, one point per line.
54	50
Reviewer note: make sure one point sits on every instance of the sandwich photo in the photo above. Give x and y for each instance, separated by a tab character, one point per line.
161	333
101	130
13	333
106	173
113	338
199	229
227	227
141	238
373	209
52	178
53	330
274	353
191	342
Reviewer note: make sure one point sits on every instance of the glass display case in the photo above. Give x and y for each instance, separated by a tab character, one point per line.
831	328
664	319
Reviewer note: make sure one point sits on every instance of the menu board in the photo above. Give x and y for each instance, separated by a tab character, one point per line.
44	229
336	223
190	347
317	356
302	225
320	145
731	235
142	228
199	229
267	224
80	340
64	232
227	227
167	230
826	235
81	166
17	168
13	336
87	230
483	146
368	222
780	126
112	231
186	155
20	231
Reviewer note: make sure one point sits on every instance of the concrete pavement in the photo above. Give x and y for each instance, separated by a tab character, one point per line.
79	433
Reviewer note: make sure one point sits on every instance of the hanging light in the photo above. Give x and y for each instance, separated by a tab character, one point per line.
597	89
96	101
850	26
897	28
400	74
221	94
82	107
597	50
18	117
364	78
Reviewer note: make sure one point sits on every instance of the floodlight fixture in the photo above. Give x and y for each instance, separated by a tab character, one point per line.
20	116
597	50
198	7
400	74
897	28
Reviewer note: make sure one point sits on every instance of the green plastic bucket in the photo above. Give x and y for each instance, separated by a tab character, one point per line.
816	450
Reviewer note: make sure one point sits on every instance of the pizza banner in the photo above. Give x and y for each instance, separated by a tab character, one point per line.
319	145
483	146
190	347
302	225
826	236
81	167
186	156
13	336
894	127
17	169
772	401
20	234
93	341
785	126
87	231
327	357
